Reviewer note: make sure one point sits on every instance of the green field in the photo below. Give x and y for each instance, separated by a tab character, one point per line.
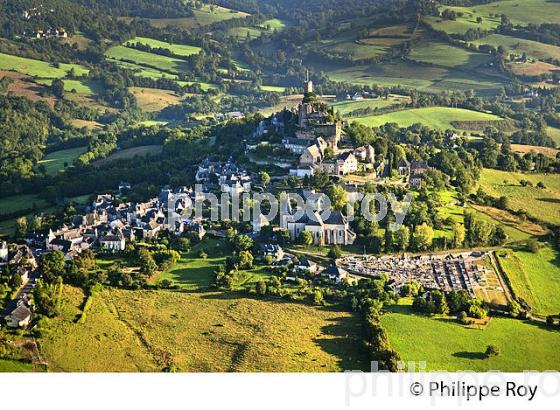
242	32
413	75
445	55
524	11
543	204
13	366
443	344
202	17
535	277
18	203
54	162
433	117
554	133
177	49
274	24
465	22
79	86
521	12
519	46
145	59
347	106
37	68
143	71
273	88
199	332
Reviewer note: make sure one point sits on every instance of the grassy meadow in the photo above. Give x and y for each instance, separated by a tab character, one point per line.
413	75
199	332
463	23
535	277
346	107
143	58
178	49
18	203
203	16
543	204
443	344
54	162
519	46
38	68
433	117
153	99
445	55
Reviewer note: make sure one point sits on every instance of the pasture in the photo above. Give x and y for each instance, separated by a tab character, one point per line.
131	153
464	22
433	117
519	46
535	277
445	55
153	99
242	33
413	75
203	16
199	332
19	203
273	24
444	344
347	106
143	58
14	366
523	12
82	87
38	68
55	161
554	133
543	204
177	49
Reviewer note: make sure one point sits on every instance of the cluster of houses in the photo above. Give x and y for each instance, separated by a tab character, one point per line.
22	262
50	33
227	176
448	273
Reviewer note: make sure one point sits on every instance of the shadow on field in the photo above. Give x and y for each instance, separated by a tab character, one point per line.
470	355
550	200
343	339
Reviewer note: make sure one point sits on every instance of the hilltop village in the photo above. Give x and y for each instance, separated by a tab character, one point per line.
311	135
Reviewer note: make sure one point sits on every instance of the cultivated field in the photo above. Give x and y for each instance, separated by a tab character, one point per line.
535	277
523	149
443	344
199	332
54	162
433	117
543	204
